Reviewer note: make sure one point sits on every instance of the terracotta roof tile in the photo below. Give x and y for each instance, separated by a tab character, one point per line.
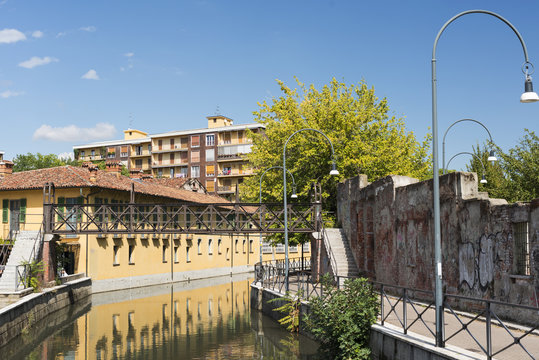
77	177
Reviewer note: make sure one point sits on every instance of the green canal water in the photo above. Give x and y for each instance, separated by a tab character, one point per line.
205	319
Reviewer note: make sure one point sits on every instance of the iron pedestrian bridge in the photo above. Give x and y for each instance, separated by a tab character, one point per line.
179	218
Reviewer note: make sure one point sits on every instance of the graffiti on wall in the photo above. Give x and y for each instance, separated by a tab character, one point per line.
477	262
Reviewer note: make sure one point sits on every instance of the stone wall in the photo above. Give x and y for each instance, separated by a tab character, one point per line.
389	225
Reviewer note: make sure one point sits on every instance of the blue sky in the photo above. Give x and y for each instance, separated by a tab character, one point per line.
73	72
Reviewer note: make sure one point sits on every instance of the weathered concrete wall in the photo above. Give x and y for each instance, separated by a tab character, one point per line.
390	229
23	314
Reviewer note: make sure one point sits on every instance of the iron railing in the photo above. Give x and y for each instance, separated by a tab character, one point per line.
413	309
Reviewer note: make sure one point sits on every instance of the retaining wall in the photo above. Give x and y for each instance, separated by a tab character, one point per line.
19	317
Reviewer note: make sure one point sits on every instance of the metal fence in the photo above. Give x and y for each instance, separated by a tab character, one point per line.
413	310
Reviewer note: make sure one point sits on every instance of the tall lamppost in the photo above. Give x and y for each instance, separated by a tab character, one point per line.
491	156
527	96
333	171
483	178
293	196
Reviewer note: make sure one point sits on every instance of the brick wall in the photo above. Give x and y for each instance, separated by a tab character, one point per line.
389	225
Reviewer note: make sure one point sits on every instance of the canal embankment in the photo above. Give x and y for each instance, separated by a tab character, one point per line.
19	317
386	342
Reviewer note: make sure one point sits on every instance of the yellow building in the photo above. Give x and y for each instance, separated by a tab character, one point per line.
122	260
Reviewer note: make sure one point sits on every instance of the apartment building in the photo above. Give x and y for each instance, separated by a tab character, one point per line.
215	155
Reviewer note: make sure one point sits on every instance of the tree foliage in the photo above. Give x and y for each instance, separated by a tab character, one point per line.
515	176
366	139
341	319
31	161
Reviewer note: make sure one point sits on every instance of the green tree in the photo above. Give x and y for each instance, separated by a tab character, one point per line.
31	161
515	176
366	138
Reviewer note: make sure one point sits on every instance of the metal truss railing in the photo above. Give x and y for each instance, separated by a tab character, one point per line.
177	218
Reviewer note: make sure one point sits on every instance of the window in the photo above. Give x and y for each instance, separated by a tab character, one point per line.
116	258
160	159
226	138
199	246
228	253
138	150
521	248
243	246
210	247
160	173
131	255
236	246
171	172
187	259
123	151
183	172
176	260
93	153
195	171
171	143
210	170
195	156
138	163
210	185
164	253
195	141
82	153
160	145
171	158
210	155
210	140
227	170
251	246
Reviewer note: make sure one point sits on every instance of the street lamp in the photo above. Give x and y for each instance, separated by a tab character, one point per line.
528	96
491	157
293	196
333	172
483	178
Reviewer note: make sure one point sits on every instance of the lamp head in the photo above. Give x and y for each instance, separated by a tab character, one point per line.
483	180
491	156
294	195
334	171
529	95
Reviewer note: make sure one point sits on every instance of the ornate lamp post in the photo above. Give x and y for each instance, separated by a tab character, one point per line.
483	178
293	196
333	171
527	96
491	156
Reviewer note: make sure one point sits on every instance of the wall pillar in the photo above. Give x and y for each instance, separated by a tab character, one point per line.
49	258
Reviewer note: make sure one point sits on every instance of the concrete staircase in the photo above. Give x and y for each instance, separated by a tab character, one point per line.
22	251
338	245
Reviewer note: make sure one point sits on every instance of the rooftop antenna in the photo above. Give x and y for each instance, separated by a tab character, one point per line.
130	120
217	110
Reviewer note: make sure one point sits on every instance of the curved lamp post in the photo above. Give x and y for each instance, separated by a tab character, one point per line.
491	156
333	171
483	178
528	96
293	196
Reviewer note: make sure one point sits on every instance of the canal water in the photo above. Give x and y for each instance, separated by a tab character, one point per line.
203	319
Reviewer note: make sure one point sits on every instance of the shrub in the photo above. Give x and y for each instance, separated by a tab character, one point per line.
341	319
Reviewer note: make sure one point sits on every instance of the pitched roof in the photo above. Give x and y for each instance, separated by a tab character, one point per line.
77	177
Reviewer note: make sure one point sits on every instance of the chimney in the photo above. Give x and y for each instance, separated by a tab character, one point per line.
87	164
6	168
135	173
114	166
146	176
93	172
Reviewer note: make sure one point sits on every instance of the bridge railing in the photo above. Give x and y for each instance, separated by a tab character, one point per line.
177	218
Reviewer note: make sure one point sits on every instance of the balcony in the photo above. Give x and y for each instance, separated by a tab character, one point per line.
146	153
91	157
168	163
233	152
226	189
234	173
167	149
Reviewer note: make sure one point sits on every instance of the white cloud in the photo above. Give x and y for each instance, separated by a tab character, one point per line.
91	75
73	133
65	156
37	34
61	34
8	93
129	54
37	61
88	28
11	36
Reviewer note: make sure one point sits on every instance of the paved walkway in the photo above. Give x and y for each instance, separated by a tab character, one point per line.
463	340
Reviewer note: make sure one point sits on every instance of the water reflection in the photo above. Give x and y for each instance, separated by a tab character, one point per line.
208	319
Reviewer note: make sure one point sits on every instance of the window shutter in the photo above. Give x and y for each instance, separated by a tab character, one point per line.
61	202
22	214
5	208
